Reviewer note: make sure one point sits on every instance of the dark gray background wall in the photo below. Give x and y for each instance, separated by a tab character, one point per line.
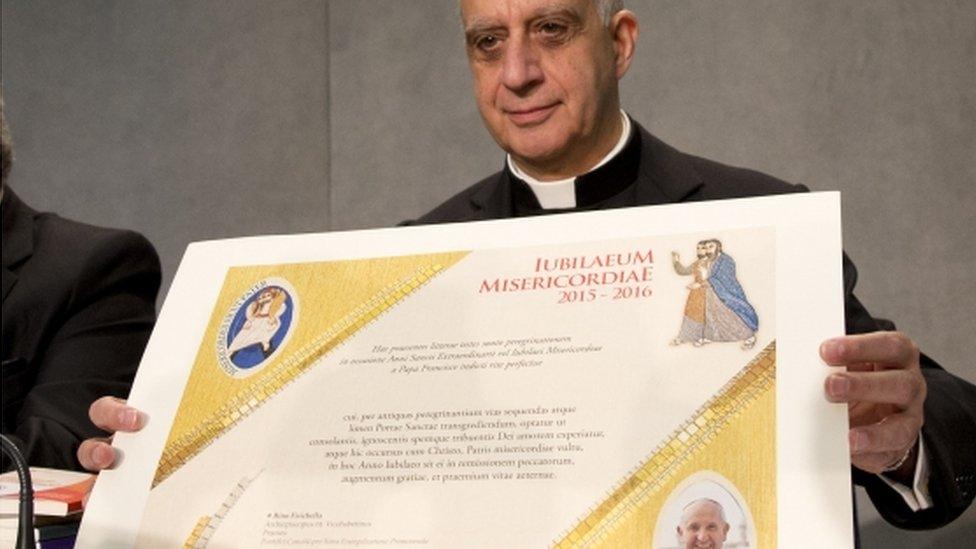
191	120
184	120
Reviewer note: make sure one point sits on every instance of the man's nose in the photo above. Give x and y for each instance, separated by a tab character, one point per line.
521	70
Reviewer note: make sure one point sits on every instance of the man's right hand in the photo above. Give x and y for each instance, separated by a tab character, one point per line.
110	414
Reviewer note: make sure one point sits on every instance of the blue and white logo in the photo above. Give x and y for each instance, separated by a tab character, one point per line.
257	327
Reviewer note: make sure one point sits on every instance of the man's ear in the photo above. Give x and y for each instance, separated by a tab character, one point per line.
624	31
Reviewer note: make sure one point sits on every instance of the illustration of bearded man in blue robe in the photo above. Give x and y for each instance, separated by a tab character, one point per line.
717	308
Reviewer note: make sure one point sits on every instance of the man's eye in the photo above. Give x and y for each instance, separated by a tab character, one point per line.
486	43
553	32
552	28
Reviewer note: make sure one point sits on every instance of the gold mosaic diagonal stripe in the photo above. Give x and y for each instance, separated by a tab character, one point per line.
194	537
176	454
753	381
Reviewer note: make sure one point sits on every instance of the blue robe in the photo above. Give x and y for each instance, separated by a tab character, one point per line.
727	288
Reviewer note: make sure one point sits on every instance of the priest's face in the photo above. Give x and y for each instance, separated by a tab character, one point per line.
545	76
702	526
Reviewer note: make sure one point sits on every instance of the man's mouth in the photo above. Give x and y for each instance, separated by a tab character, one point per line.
530	116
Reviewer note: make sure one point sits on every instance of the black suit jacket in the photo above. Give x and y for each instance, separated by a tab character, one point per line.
666	176
78	307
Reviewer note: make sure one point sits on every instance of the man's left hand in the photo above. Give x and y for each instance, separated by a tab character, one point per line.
884	389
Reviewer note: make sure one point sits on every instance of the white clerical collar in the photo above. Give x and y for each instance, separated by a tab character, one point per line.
562	194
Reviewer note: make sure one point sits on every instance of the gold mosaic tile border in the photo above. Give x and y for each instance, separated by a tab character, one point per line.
176	454
756	378
193	540
206	526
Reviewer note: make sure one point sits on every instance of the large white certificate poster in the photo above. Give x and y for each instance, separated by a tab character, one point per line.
607	379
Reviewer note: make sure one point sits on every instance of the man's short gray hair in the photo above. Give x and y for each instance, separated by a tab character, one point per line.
607	8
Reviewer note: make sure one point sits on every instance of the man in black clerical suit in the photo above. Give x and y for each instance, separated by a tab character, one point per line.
78	307
546	74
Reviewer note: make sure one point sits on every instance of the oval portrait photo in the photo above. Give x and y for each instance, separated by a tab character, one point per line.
705	511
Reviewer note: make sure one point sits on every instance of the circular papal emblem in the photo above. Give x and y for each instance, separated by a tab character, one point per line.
257	327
